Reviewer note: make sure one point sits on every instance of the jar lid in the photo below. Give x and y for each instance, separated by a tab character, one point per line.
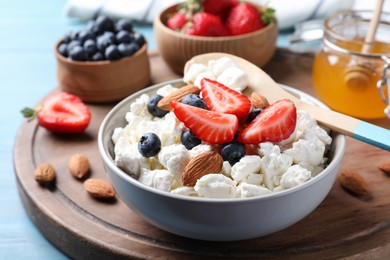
307	36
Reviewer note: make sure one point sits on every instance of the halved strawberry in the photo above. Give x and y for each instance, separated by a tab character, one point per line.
61	112
276	123
209	126
222	99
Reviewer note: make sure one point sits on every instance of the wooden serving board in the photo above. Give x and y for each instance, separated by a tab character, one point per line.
85	228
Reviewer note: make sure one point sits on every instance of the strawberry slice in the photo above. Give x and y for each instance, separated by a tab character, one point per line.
222	99
276	123
61	112
209	126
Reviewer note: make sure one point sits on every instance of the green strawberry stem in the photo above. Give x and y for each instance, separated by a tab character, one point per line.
191	7
269	16
30	113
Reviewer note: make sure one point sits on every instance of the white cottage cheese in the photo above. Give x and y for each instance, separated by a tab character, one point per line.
216	185
223	70
272	168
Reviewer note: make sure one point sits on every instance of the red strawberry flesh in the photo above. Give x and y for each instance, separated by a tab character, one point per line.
206	24
243	18
177	21
209	126
274	124
64	113
218	7
222	99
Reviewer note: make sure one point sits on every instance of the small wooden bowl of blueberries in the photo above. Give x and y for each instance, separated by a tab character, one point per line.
104	62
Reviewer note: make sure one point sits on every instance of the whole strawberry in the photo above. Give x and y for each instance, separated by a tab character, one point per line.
218	7
206	24
61	112
177	21
243	18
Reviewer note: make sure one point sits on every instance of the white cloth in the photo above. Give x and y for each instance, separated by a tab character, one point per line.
289	13
137	10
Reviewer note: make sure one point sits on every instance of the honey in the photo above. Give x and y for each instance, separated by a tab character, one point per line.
344	78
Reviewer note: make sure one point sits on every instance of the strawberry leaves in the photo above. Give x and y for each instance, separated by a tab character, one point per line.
29	113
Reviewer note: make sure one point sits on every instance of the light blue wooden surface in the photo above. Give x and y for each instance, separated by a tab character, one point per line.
28	32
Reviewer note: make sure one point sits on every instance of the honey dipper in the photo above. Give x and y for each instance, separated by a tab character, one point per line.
359	75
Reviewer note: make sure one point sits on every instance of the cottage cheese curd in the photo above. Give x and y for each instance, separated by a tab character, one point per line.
223	70
271	168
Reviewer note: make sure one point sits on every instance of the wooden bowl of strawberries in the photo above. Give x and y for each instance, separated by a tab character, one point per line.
194	27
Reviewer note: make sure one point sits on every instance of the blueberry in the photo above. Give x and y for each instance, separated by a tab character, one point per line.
70	36
253	114
103	24
63	49
123	37
149	145
90	46
66	38
78	53
112	53
194	100
124	24
85	35
139	39
110	35
189	140
105	40
153	108
91	27
233	152
128	49
98	56
72	44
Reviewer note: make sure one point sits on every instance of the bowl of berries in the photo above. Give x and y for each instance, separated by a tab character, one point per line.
214	159
104	62
244	29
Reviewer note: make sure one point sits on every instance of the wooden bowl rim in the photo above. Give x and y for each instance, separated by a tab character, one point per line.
61	58
158	21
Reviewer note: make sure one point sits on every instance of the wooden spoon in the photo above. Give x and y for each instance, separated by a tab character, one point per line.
260	82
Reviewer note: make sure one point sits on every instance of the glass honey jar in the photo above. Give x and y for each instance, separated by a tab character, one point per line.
349	76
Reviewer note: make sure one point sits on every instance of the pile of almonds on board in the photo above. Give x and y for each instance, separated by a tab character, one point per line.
79	168
353	182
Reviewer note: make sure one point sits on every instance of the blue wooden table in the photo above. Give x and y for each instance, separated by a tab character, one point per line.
28	32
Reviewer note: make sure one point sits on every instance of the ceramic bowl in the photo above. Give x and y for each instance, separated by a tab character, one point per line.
103	81
176	48
216	219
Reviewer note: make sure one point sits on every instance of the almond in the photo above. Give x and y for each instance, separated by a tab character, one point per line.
259	101
204	163
44	173
177	95
353	182
99	189
385	167
78	165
